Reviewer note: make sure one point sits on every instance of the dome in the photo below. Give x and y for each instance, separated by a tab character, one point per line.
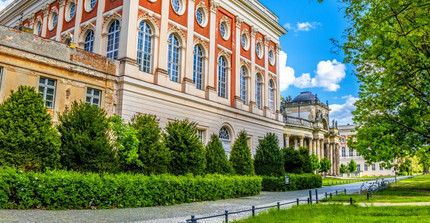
306	96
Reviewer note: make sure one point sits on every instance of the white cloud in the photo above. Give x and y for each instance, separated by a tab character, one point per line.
286	72
4	3
302	26
342	112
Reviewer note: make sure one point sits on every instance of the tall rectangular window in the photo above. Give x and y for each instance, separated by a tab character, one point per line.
381	167
351	153
200	133
358	167
373	167
366	167
357	153
93	96
47	89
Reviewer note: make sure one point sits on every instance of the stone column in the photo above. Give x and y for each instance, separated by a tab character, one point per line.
212	46
318	148
252	74
337	159
78	18
60	19
301	141
322	149
128	46
287	140
99	28
45	20
239	22
310	146
331	158
296	142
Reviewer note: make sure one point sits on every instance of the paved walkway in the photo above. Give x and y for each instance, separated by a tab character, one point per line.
169	214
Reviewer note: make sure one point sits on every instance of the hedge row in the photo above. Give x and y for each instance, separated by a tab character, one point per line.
72	190
297	182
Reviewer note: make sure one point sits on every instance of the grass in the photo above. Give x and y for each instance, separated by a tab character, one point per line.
337	181
415	189
343	213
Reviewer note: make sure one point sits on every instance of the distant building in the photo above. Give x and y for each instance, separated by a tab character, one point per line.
363	168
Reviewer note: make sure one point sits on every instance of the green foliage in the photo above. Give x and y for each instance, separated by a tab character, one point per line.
125	143
325	165
268	160
315	163
85	141
27	137
216	160
343	168
155	157
388	42
188	153
240	156
297	161
73	190
424	158
352	166
297	182
306	160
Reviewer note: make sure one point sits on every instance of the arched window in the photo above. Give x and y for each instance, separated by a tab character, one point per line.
198	67
89	41
39	28
144	47
222	77
224	137
258	90
92	3
113	41
243	85
343	152
271	96
173	58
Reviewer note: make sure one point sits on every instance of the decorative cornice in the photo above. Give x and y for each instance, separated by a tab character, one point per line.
214	6
201	42
148	16
239	22
61	3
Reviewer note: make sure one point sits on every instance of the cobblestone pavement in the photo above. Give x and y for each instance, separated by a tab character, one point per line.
167	214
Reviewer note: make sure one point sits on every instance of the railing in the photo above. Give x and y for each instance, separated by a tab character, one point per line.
297	121
309	200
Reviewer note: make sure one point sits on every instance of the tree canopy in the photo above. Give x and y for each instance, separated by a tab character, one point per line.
389	44
268	159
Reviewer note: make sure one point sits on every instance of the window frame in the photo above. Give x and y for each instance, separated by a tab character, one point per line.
243	85
46	86
69	16
271	96
343	152
198	62
89	44
145	64
222	82
92	96
224	141
172	61
258	91
112	51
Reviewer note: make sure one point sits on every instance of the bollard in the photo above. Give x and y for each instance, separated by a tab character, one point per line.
345	190
331	196
316	195
350	200
253	211
298	202
226	216
310	196
193	219
279	206
336	192
368	195
325	194
308	201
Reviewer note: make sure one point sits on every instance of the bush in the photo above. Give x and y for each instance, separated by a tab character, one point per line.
27	138
154	156
216	160
306	160
325	165
268	160
343	168
315	163
240	156
188	155
72	190
352	166
293	162
297	182
85	141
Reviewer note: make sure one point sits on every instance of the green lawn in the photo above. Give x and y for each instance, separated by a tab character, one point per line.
338	181
344	213
415	189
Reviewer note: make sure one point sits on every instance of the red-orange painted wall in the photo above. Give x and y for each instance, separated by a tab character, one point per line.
71	23
153	6
53	32
91	14
272	68
204	31
181	19
111	4
244	53
257	59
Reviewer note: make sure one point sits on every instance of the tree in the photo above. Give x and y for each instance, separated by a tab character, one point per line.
315	163
293	162
125	142
389	43
352	166
268	160
216	160
240	156
85	140
325	165
424	159
306	160
28	139
188	153
343	168
152	152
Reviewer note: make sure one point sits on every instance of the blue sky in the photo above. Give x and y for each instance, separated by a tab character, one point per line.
310	65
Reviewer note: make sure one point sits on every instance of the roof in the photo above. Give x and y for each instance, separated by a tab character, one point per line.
306	96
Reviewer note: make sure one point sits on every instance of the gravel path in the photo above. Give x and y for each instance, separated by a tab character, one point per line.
167	214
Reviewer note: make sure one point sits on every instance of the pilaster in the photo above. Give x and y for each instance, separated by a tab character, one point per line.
210	85
99	28
78	19
45	10
128	46
60	19
189	60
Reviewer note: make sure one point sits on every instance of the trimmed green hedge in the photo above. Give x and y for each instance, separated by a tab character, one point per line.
72	190
297	182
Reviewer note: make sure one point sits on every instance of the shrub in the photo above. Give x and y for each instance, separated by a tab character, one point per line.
188	155
325	165
154	156
240	156
293	162
315	163
216	160
85	141
27	137
352	166
297	182
268	160
343	168
66	190
306	160
126	144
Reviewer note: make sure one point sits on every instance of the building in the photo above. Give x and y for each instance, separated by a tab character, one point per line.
363	168
62	74
307	124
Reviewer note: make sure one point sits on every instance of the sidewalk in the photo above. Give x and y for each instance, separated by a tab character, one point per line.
169	214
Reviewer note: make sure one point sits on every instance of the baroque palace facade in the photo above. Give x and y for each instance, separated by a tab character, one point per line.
215	62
